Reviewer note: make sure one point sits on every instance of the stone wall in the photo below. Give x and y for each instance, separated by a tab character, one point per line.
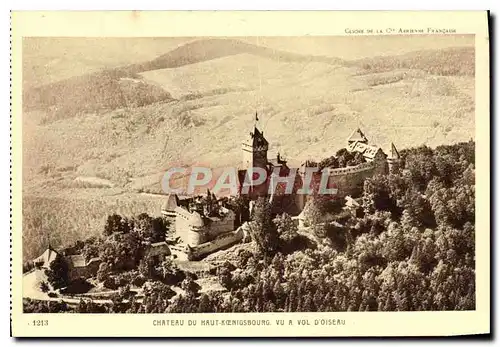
183	227
348	180
219	243
194	236
218	227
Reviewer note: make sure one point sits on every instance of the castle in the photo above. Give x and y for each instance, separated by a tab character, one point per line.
207	224
347	177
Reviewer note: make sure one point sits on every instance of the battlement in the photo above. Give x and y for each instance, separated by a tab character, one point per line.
351	169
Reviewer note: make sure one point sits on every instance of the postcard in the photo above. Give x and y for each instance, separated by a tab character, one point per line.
242	174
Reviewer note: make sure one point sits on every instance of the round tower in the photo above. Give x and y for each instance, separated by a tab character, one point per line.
393	159
196	233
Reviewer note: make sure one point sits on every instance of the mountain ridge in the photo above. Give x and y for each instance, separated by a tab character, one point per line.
105	90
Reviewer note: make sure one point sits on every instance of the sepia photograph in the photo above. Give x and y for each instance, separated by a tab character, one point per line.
264	182
383	125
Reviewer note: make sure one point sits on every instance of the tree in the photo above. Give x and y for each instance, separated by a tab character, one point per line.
57	273
122	251
171	273
263	230
149	228
418	208
156	297
116	224
190	286
91	249
44	287
103	272
286	228
421	165
312	213
224	273
330	162
147	268
377	195
205	305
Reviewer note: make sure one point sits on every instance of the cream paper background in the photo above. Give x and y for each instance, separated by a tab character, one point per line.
258	23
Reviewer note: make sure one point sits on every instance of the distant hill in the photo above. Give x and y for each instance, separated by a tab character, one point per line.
97	92
455	61
209	49
110	89
121	87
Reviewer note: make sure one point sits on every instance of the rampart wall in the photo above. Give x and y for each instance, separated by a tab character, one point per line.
221	242
347	180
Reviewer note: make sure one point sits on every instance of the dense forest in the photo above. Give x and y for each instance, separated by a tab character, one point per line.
431	61
408	247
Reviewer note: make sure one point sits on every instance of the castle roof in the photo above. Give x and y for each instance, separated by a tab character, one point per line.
357	135
158	248
47	257
170	203
77	260
158	244
368	151
257	138
93	260
351	203
278	161
393	153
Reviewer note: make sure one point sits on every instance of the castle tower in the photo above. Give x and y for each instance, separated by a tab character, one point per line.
255	155
168	210
357	136
301	199
255	149
393	159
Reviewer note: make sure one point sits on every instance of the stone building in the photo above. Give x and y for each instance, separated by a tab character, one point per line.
347	180
76	264
255	155
79	268
46	258
203	224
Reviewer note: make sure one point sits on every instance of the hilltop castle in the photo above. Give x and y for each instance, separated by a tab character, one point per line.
207	224
347	176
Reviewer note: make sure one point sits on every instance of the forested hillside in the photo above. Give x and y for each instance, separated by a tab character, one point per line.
454	61
92	93
412	248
